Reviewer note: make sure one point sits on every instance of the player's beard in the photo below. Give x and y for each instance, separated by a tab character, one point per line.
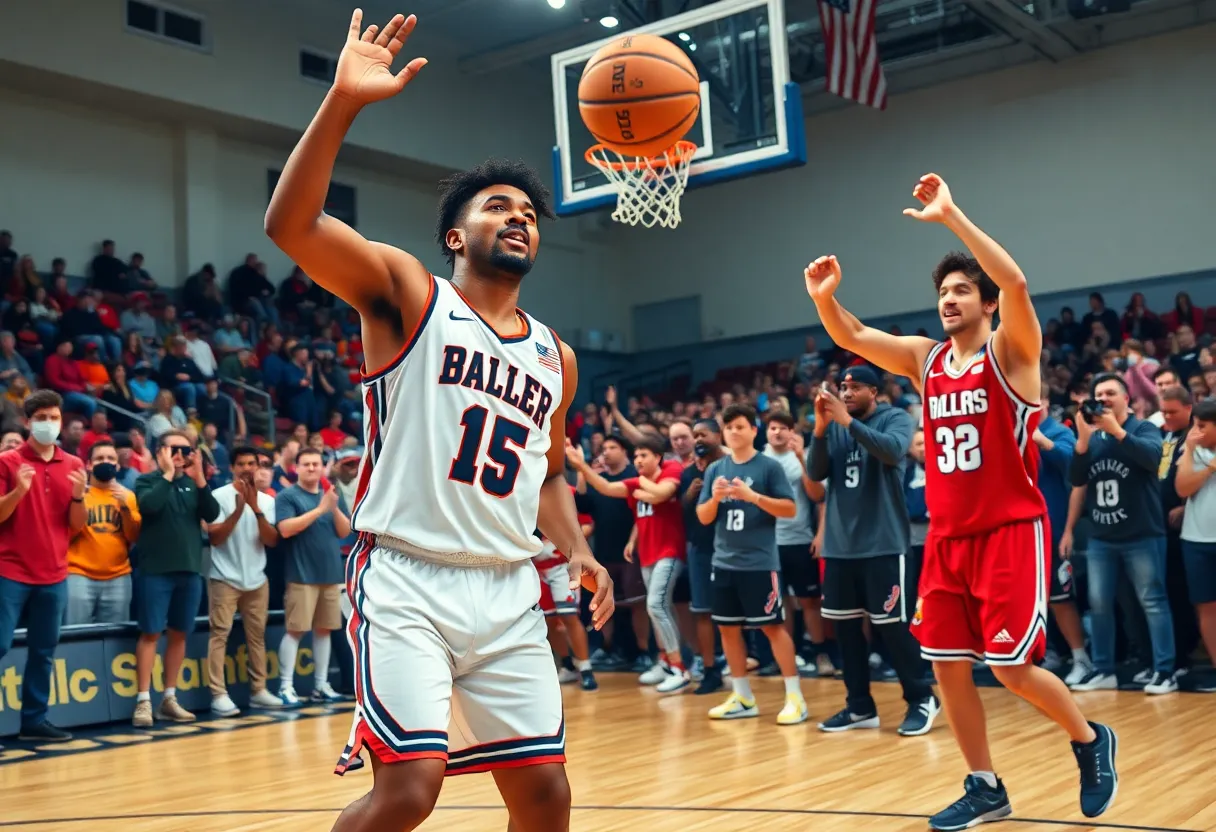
502	260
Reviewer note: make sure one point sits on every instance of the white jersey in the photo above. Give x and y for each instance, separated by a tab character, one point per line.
457	431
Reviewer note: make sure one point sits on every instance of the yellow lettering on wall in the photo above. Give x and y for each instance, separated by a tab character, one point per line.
82	685
122	668
304	664
188	676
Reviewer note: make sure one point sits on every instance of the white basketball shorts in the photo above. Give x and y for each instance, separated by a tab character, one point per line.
556	596
451	663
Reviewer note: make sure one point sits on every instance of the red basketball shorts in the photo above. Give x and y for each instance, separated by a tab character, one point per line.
984	597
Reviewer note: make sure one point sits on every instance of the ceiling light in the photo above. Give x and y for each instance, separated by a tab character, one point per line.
609	22
684	36
557	4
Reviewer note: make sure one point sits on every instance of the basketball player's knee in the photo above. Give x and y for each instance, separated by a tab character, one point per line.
406	802
950	674
546	790
1014	677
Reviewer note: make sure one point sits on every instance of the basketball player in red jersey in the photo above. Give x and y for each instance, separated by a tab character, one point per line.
461	677
983	588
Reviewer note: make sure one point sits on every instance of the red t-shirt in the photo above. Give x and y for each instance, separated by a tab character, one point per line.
34	539
661	526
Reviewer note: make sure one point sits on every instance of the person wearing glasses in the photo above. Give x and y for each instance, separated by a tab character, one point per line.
172	500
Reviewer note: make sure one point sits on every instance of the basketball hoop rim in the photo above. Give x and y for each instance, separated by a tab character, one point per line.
674	156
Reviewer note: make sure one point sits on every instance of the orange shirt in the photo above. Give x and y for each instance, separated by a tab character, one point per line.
94	373
100	550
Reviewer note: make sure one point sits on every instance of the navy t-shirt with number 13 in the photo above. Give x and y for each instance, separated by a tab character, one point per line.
745	535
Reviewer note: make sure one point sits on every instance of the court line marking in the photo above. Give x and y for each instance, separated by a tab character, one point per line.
1088	824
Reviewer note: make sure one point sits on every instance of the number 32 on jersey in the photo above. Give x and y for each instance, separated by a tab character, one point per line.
958	448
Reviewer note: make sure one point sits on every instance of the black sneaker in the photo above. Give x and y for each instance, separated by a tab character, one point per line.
711	682
1099	780
641	663
980	804
43	732
920	718
588	681
846	720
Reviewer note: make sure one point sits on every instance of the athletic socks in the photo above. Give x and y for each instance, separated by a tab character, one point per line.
288	648
743	688
582	665
143	696
988	777
320	653
170	692
793	684
1081	656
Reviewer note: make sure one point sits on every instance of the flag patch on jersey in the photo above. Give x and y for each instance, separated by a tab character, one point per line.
549	358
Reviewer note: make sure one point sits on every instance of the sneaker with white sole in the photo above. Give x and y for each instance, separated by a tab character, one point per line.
287	695
323	693
170	709
1096	680
846	720
224	706
676	682
142	718
1079	671
657	673
1143	677
265	700
735	707
697	670
920	718
1161	683
566	676
794	712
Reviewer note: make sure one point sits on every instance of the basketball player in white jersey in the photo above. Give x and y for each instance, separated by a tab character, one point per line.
466	399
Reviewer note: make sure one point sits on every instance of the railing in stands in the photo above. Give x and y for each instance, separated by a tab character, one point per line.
654	382
141	418
259	393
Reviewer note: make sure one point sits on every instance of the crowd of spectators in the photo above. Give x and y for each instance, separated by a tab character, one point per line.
140	406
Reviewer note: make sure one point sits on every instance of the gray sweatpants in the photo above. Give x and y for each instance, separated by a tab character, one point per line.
660	580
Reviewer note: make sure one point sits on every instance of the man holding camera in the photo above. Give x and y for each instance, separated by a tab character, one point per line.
1114	477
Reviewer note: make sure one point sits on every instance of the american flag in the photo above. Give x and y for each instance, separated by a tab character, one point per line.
854	70
549	358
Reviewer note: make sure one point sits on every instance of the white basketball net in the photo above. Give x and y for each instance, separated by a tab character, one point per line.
648	188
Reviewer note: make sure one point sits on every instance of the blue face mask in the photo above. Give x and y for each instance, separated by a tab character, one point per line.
45	432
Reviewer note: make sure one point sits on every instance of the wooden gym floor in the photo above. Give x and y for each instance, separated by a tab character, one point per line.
638	760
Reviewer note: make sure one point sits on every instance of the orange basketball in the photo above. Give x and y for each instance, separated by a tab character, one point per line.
639	95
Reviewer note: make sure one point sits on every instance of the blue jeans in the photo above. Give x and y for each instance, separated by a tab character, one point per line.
81	403
108	345
187	393
98	602
1144	560
44	607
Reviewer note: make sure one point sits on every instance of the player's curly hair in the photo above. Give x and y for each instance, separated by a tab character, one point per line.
969	267
456	190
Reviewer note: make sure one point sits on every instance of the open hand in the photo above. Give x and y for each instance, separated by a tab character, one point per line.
78	481
822	278
932	192
833	407
575	455
610	396
365	67
164	460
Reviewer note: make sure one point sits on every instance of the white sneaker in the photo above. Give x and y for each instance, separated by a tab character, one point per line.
265	700
322	692
1097	681
657	673
697	671
287	695
566	676
1161	683
1079	671
1143	677
675	682
224	706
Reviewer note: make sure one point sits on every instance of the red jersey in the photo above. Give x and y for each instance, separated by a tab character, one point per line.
981	462
660	526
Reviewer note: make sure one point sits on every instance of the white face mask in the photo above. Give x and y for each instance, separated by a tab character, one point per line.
46	432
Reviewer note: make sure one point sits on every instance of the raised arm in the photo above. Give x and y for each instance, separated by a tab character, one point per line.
389	287
1019	339
578	460
903	355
